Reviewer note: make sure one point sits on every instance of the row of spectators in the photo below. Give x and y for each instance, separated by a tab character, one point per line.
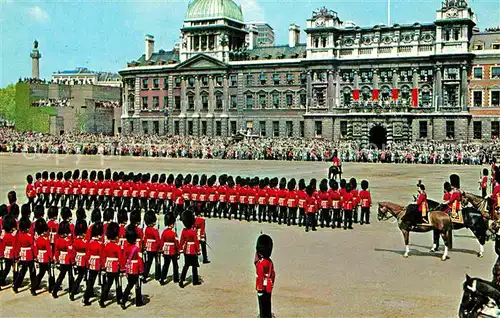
246	149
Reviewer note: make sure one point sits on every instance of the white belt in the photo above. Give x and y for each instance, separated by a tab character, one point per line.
78	253
150	240
168	243
95	256
134	261
111	259
190	243
25	248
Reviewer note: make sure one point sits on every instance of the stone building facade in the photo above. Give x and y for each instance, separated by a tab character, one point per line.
375	84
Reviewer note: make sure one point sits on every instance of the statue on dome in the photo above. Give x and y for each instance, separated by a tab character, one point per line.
35	44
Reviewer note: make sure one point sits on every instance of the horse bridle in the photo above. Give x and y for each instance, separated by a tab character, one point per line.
476	297
386	215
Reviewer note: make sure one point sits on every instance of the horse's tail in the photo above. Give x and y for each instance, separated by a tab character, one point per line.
449	236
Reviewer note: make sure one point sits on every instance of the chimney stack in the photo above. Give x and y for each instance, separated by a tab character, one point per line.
293	35
150	46
252	37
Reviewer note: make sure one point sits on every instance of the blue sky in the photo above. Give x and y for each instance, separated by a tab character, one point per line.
105	35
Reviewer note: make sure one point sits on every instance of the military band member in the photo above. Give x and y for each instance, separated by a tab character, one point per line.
366	202
265	273
133	265
272	200
112	258
170	249
80	247
151	243
64	255
243	198
94	257
26	248
190	247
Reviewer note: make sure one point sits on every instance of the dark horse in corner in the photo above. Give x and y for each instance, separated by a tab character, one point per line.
480	299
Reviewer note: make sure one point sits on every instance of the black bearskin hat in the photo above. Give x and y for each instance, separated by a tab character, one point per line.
135	217
125	178
93	175
45	175
108	215
25	210
67	175
80	214
100	176
335	185
39	211
282	183
9	223
343	183
150	217
76	174
302	184
107	174
203	180
291	185
348	188
85	175
187	179
53	212
139	177
230	181
24	224
243	182
60	175
155	178
309	191
485	172
41	226
353	183
12	197
210	182
145	178
238	180
29	179
116	177
38	175
250	182
222	179
178	183
14	210
52	175
122	217
262	184
421	186
3	210
63	228
130	176
188	219
163	178
170	179
196	179
169	219
131	233
66	213
112	231
455	181
264	246
274	182
331	182
364	185
97	229
323	187
312	183
121	174
80	227
95	216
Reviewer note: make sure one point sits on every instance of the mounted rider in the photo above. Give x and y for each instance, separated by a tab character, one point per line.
494	199
336	161
423	208
455	201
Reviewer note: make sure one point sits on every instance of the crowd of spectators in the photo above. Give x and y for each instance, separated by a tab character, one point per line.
247	148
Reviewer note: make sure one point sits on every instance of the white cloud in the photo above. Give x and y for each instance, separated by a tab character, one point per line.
252	10
38	14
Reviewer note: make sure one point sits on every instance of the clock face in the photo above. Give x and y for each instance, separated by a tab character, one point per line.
452	13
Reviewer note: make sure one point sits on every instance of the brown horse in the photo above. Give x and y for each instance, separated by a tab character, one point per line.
477	202
439	222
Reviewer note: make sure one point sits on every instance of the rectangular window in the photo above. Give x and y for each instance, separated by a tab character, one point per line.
165	102
204	81
204	102
478	72
262	100
276	128
144	83
156	83
276	100
218	101
302	99
145	127
495	98
203	127
249	79
478	130
218	128
178	82
165	83
302	129
249	101
219	80
190	102
290	78
495	129
190	128
495	72
276	79
176	128
234	101
262	128
289	128
343	128
289	100
233	79
144	102
191	81
233	127
318	128
177	100
450	129
156	127
156	102
422	129
262	78
477	98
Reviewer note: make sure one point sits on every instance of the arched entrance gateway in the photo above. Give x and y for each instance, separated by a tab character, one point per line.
378	136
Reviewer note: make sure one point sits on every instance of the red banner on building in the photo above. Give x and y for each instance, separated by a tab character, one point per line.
395	94
414	97
375	94
355	94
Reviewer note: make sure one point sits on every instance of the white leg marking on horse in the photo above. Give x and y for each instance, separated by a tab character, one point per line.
445	254
481	250
407	251
433	249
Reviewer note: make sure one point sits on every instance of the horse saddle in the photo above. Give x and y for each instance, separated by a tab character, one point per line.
457	217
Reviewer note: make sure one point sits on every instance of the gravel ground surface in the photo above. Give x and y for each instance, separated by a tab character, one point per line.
328	273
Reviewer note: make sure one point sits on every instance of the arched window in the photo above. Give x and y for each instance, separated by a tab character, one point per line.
346	96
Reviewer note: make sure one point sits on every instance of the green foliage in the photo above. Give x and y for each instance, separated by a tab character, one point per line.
27	117
8	102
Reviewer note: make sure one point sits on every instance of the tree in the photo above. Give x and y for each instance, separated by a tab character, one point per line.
8	102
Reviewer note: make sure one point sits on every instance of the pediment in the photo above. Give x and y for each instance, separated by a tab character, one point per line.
201	61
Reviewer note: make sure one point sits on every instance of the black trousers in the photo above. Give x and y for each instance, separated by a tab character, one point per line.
292	216
44	268
244	211
325	217
166	264
110	278
152	256
7	266
89	290
63	269
262	212
81	273
302	216
190	261
272	213
282	214
347	219
234	210
311	221
24	268
355	214
483	192
337	218
133	280
264	299
203	245
209	209
365	216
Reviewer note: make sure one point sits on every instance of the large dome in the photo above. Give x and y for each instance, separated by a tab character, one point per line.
211	9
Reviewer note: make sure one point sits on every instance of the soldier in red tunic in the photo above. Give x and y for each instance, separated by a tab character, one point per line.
170	190
92	189
112	258
252	189
291	202
46	189
39	213
222	207
95	260
265	273
117	186
95	217
75	189
494	198
30	191
44	256
202	195
161	194
53	225
107	217
38	188
355	199
80	247
200	227
211	192
151	242
190	247
66	189
336	201
262	199
366	203
311	208
144	191
153	193
281	195
84	189
170	249
232	194
301	202
243	198
66	216
177	196
348	205
272	200
26	252
64	255
483	183
186	191
324	202
133	265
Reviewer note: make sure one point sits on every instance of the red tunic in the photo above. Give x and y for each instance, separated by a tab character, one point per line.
169	242
161	191
301	199
53	226
76	187
67	187
59	186
121	234
199	225
335	199
455	204
243	194
38	186
222	192
484	182
232	194
212	194
100	187
324	200
272	198
265	275
26	247
30	191
151	239
495	195
80	247
195	193
292	199
144	190
311	205
132	259
177	196
186	191
45	186
252	196
365	198
112	257
355	197
64	252
347	201
281	194
262	197
43	251
94	255
422	202
189	242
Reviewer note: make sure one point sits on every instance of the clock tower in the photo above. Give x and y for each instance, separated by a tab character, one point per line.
454	23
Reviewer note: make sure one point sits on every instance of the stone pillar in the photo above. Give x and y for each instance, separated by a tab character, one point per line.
375	79
196	124
35	62
337	88
197	98
309	90
225	96
356	79
184	100
438	99
331	91
395	78
464	88
211	95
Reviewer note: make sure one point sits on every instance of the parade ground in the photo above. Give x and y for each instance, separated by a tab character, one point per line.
328	273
